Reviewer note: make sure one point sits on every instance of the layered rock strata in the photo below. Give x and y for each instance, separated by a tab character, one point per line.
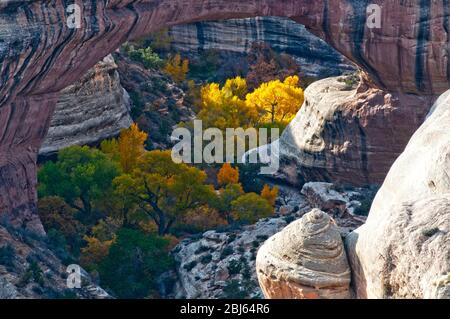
41	54
95	108
403	250
306	260
347	133
236	36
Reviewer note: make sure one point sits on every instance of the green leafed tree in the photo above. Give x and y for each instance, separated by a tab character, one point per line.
81	176
134	262
164	190
251	207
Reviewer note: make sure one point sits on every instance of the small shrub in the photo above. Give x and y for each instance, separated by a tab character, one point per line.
227	251
262	237
206	259
289	219
231	238
233	290
7	254
147	57
138	104
190	266
33	273
364	209
201	249
234	267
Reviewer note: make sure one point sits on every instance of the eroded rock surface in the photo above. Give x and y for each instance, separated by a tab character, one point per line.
30	270
346	206
306	260
40	55
97	107
347	133
221	264
236	36
403	251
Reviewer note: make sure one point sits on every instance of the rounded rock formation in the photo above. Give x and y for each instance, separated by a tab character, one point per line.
306	260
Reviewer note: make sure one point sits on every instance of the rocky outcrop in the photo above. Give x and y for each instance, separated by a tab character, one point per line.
306	260
95	108
236	36
211	264
346	206
347	133
324	196
403	249
220	264
158	103
30	270
406	59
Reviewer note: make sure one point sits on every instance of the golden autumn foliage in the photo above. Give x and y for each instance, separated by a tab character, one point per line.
251	207
95	250
131	147
228	175
225	107
270	194
232	106
177	68
127	149
277	101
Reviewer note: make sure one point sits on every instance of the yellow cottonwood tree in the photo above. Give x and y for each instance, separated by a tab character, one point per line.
228	175
131	147
277	101
127	149
270	194
177	68
225	107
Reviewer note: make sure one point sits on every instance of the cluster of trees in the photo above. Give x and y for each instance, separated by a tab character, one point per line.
175	66
118	210
272	104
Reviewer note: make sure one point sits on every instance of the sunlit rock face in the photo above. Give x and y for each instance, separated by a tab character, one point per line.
236	37
403	249
306	260
348	134
89	111
407	58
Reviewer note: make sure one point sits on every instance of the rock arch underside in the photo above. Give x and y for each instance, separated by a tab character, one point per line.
405	66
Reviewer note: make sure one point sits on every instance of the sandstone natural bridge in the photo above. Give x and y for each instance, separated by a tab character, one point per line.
406	66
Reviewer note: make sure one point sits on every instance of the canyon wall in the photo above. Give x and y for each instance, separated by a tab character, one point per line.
93	109
236	36
402	251
348	134
40	55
